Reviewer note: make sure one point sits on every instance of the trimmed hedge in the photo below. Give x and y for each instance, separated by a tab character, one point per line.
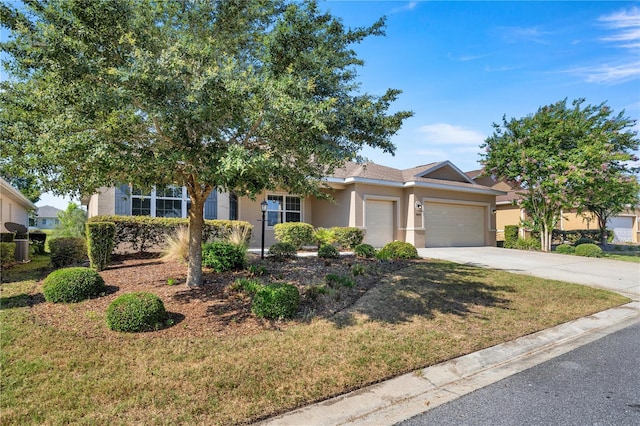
221	256
7	237
7	253
100	241
295	233
136	312
328	251
576	234
282	251
140	233
588	250
397	250
510	236
365	250
348	237
276	301
38	240
67	251
565	249
70	285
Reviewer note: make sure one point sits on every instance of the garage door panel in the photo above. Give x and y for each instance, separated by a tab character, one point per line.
454	225
379	222
622	227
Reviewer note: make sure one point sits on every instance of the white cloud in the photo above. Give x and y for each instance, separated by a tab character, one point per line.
448	134
409	6
609	74
518	34
626	26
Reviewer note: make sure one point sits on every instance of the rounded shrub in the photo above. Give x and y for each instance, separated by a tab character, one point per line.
282	251
588	250
67	251
348	237
398	250
221	256
565	249
296	233
328	251
136	312
72	285
276	301
365	250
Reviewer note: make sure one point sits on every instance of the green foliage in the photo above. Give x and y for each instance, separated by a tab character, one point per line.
583	240
136	312
282	251
397	250
528	243
328	251
221	256
100	243
335	281
588	250
295	233
38	241
140	233
324	236
348	237
72	285
256	270
276	301
575	235
71	222
67	251
248	286
7	237
365	250
510	236
565	249
564	156
7	254
199	94
357	270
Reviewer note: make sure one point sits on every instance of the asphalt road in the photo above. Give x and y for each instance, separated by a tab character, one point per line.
596	384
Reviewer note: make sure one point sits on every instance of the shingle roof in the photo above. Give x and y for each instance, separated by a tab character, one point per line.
48	211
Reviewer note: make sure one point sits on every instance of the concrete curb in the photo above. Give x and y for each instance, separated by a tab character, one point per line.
403	397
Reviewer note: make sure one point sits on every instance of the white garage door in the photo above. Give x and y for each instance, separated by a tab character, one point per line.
622	227
379	222
454	225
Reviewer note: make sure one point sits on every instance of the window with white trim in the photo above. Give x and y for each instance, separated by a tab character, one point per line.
283	208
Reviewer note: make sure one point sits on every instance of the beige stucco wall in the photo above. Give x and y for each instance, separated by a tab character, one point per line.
102	203
506	215
12	210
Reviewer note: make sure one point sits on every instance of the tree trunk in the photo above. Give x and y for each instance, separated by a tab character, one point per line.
545	238
196	223
602	223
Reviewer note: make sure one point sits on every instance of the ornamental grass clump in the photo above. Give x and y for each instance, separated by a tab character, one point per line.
276	301
71	285
136	312
588	250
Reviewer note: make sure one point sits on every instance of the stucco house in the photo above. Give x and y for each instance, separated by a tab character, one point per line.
14	207
625	226
430	205
47	217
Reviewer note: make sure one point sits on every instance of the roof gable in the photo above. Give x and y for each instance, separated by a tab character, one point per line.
445	170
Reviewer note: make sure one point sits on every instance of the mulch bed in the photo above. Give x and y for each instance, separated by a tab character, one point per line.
214	309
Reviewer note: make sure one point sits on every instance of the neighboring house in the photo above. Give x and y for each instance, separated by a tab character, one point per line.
428	206
14	207
47	217
625	226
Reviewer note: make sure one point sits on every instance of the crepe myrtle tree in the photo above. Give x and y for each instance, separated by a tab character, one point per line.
559	156
240	96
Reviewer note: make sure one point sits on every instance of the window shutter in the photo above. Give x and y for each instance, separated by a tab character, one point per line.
211	206
123	206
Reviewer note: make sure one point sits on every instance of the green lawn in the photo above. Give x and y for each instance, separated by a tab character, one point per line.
422	315
626	257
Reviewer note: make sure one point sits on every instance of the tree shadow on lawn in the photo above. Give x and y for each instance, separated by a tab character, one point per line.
423	290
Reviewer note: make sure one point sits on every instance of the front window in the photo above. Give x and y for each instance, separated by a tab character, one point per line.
169	201
281	208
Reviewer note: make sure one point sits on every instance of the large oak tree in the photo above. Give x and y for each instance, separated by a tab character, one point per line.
236	95
577	156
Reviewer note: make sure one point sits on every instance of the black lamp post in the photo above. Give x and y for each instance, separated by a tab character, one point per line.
263	207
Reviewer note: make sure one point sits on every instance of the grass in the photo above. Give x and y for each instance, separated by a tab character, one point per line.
423	315
626	257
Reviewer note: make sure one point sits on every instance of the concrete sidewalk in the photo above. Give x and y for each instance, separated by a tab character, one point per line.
403	397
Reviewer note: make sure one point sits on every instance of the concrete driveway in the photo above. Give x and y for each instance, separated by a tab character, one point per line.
619	276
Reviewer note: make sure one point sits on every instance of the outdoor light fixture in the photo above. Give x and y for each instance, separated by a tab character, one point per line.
418	207
263	208
493	210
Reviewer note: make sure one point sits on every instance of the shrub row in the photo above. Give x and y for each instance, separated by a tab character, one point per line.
100	239
299	234
140	233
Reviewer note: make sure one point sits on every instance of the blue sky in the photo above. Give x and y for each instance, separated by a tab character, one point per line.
463	65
